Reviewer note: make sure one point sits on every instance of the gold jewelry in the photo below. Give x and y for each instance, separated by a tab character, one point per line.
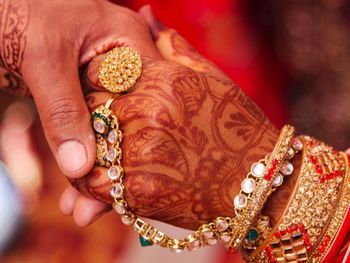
315	210
109	154
120	69
267	177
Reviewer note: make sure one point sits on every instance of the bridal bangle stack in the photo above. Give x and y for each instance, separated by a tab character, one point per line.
314	213
312	217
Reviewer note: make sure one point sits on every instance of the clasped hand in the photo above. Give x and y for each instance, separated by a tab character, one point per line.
190	133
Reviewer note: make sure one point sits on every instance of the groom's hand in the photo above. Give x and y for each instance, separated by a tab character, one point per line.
43	44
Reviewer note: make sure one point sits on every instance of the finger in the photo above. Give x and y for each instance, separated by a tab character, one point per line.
57	93
95	185
88	210
17	150
174	48
348	151
68	200
121	27
90	77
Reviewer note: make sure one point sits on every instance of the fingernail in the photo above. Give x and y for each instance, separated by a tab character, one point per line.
155	25
72	156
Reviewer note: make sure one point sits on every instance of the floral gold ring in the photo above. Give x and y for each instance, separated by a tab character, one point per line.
120	69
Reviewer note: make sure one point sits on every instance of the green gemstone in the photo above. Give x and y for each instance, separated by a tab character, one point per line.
252	234
144	242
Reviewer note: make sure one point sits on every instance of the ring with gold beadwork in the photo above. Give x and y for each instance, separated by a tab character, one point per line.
120	69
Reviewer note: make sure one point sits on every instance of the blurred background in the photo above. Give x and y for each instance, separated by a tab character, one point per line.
290	56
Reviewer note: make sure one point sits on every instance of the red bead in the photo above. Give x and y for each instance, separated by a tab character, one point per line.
268	249
306	238
312	159
339	173
269	175
301	227
322	180
278	234
323	248
309	248
275	162
319	169
293	229
231	250
327	238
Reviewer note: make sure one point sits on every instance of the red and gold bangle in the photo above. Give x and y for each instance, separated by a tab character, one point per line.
308	225
322	252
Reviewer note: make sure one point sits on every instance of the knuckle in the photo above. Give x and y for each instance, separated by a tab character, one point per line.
62	114
131	17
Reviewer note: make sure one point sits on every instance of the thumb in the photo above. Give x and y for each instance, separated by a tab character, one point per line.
64	115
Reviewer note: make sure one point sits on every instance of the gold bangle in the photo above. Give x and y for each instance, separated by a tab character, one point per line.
301	230
109	154
265	184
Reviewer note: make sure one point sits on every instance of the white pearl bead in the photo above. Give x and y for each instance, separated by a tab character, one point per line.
126	220
240	201
111	155
112	136
117	191
120	209
258	169
278	180
287	168
114	173
248	185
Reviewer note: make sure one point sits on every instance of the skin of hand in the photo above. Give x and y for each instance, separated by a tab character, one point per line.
43	47
190	137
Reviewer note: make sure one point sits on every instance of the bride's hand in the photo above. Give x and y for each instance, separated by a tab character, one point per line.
190	135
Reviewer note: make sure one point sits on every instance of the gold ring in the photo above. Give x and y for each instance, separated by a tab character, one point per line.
120	69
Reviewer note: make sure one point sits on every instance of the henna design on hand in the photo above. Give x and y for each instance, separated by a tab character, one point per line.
14	19
189	140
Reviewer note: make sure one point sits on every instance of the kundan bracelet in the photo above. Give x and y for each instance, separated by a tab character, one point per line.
263	178
265	175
